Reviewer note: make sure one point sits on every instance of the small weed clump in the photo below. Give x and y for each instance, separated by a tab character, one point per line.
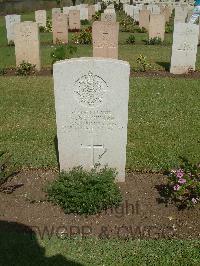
154	41
25	69
85	22
62	52
130	39
83	37
142	63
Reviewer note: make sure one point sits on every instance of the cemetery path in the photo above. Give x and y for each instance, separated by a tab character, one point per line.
140	215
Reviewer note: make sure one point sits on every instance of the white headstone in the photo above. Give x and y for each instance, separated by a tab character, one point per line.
156	9
109	11
27	43
136	11
108	17
83	13
180	14
10	22
92	112
184	49
99	6
73	8
130	11
41	17
199	32
56	10
96	6
66	10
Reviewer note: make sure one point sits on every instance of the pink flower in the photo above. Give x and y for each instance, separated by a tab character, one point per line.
179	173
182	181
176	187
194	201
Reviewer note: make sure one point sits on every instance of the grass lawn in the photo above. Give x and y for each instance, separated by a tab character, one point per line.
163	121
28	251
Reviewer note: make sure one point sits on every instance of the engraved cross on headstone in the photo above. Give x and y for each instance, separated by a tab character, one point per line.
92	149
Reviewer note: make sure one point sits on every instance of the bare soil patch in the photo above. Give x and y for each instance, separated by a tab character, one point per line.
140	216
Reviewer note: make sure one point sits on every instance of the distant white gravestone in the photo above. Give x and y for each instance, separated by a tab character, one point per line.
92	112
108	17
184	48
105	39
56	10
27	43
10	22
41	17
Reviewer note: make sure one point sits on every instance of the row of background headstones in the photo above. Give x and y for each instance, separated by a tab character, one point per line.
106	45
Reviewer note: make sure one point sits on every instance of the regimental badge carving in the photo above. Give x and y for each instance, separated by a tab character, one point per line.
89	90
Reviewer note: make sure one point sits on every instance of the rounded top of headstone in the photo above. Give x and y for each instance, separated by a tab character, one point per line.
93	59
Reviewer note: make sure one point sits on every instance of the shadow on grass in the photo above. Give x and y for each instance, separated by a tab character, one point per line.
19	247
165	65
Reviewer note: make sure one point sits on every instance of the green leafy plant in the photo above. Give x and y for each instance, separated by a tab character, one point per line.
85	22
83	37
140	30
5	170
62	52
48	27
25	69
183	187
96	16
85	192
42	29
169	28
154	41
2	71
127	24
59	3
130	39
118	6
143	65
103	6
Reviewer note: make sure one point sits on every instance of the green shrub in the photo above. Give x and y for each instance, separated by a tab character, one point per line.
85	192
42	29
96	16
62	52
85	22
154	41
183	187
131	39
83	37
143	65
118	6
169	28
127	24
140	30
25	69
103	6
48	27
